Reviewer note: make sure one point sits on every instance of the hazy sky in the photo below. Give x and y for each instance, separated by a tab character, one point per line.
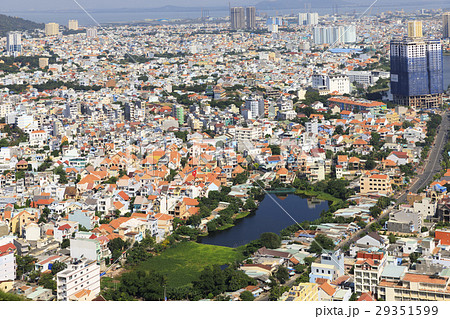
25	5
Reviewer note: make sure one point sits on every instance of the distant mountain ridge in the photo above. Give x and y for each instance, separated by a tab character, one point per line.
297	4
8	23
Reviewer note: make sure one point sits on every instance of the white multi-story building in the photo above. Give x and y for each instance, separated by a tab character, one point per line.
426	208
38	138
51	29
302	18
14	43
254	107
312	18
308	18
334	35
88	248
333	83
368	269
26	123
73	25
7	262
312	127
5	109
362	77
81	274
91	33
250	133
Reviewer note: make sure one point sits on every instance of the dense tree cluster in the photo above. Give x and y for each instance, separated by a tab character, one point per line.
320	243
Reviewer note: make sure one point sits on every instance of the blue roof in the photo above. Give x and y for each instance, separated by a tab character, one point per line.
341	50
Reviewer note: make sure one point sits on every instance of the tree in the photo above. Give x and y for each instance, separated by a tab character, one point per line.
270	240
20	175
194	220
116	246
353	297
321	242
275	292
339	130
211	281
140	284
413	257
282	274
375	141
275	149
25	264
47	281
240	178
370	164
246	296
65	243
392	238
57	267
375	211
250	205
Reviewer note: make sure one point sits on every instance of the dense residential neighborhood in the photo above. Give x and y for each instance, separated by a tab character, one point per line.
120	159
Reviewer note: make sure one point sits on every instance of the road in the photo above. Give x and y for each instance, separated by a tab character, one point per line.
433	163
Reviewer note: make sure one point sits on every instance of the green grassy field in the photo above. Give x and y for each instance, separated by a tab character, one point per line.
182	264
319	195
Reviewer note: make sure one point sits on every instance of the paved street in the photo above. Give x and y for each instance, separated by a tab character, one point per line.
433	164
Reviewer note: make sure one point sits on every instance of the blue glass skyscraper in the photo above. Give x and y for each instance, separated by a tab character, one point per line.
417	72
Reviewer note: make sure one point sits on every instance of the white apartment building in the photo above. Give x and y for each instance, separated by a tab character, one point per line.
51	29
368	269
73	25
333	83
88	248
5	109
26	123
38	138
308	18
362	77
14	43
426	208
250	133
81	274
7	262
91	33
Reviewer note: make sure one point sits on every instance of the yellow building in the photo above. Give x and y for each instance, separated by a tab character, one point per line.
392	117
303	292
377	183
51	29
415	29
20	220
7	285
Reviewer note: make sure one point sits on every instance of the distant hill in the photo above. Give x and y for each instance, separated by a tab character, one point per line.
8	23
296	4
